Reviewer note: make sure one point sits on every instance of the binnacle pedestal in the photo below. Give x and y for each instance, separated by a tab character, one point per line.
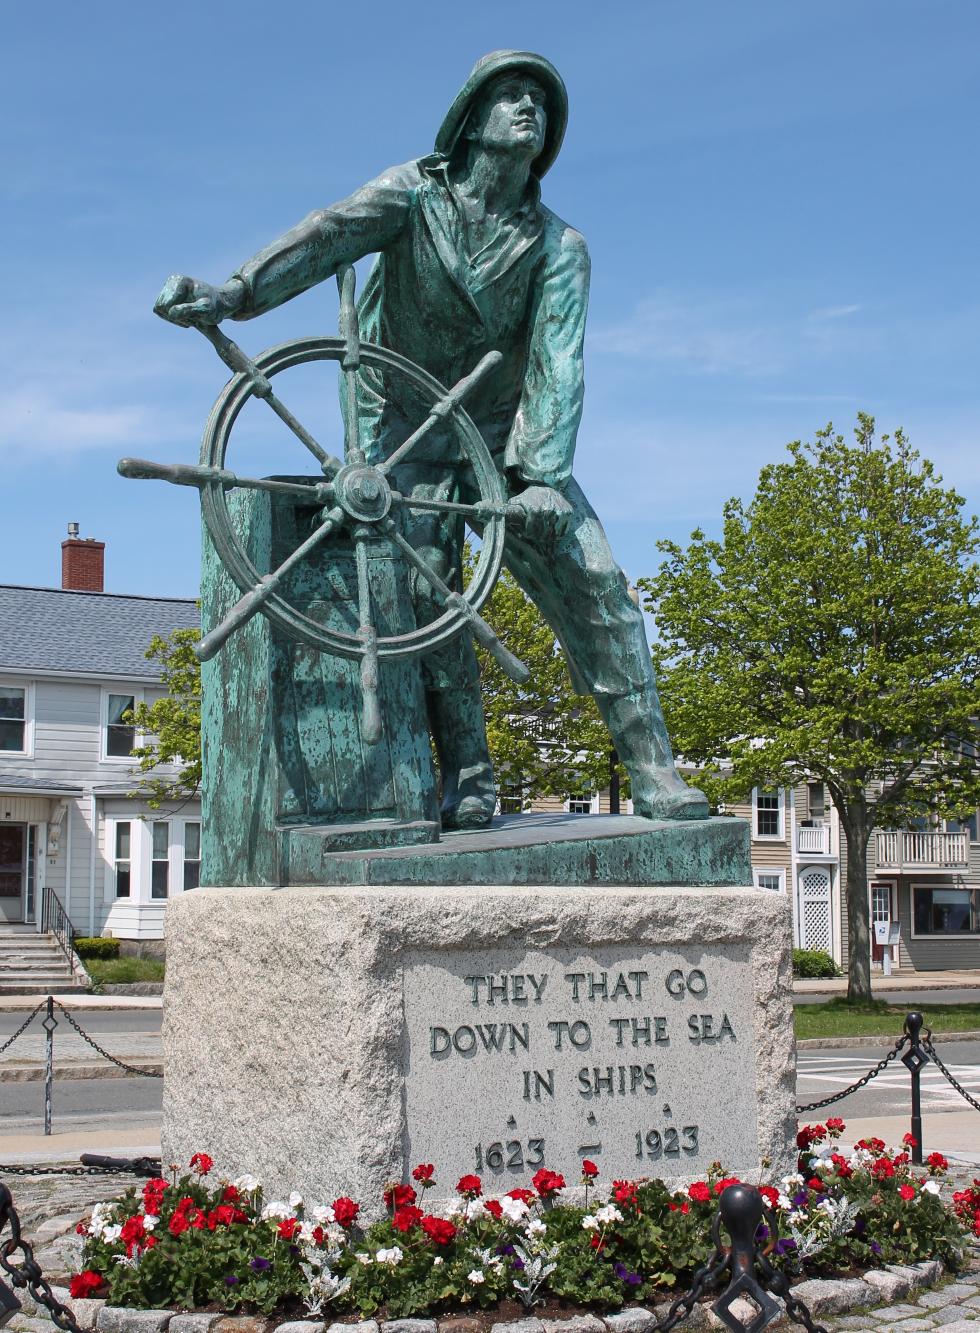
327	1039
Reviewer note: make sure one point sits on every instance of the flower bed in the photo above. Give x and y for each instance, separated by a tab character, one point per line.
192	1243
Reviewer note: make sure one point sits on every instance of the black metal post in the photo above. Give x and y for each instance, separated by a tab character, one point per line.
49	1024
913	1060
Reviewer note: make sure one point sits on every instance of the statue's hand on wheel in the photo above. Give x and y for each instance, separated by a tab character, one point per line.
543	512
187	301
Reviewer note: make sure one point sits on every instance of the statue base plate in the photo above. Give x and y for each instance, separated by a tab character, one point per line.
535	849
328	1039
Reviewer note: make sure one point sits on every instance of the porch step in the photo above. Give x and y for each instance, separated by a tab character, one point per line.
59	987
33	964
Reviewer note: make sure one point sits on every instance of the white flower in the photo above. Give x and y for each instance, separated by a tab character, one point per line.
438	1261
475	1276
536	1228
150	1222
783	1202
610	1213
323	1215
590	1223
930	1187
110	1234
277	1209
475	1208
392	1256
514	1209
363	1257
248	1184
295	1201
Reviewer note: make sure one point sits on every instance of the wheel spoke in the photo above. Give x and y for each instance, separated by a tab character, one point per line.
253	601
484	633
371	717
478	513
440	410
241	364
351	363
186	474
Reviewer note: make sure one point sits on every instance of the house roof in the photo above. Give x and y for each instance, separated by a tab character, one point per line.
10	785
86	633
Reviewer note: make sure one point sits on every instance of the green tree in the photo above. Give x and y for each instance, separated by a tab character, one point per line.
173	723
833	634
543	737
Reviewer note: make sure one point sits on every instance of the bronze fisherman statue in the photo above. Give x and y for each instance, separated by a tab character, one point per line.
469	261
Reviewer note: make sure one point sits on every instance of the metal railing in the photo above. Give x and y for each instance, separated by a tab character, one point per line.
56	920
922	849
814	841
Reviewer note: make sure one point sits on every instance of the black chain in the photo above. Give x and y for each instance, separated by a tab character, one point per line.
930	1050
683	1305
92	1165
24	1026
28	1273
778	1283
132	1069
862	1082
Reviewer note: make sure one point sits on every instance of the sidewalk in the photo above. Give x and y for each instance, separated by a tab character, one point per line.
898	981
79	1000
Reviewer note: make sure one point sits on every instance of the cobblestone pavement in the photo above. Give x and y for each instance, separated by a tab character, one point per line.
50	1206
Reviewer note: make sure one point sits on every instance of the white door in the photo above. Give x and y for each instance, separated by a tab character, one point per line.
13	851
815	910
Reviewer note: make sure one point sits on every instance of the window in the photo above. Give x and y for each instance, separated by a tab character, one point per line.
13	719
770	879
160	865
816	800
581	802
192	855
123	859
967	825
946	911
120	736
768	813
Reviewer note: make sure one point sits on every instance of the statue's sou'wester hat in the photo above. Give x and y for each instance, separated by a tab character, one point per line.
491	67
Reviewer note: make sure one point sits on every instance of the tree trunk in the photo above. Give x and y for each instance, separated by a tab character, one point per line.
858	913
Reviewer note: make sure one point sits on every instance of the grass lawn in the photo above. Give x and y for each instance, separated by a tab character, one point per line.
837	1018
121	971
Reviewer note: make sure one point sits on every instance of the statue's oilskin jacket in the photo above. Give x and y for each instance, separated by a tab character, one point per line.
524	294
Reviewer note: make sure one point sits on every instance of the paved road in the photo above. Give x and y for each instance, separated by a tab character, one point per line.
83	1104
914	999
823	1072
92	1020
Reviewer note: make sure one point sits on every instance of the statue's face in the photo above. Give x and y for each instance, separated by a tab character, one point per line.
512	114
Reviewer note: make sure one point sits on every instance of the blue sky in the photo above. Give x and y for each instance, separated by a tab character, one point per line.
781	202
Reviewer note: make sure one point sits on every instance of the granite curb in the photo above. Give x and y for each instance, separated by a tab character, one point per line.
884	1288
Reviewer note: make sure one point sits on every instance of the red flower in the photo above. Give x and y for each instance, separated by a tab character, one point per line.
345	1211
589	1171
843	1170
406	1217
396	1195
84	1285
178	1224
153	1192
770	1195
423	1173
907	1191
882	1168
910	1140
439	1230
699	1192
525	1196
231	1194
318	1235
202	1162
547	1182
936	1162
722	1185
871	1145
471	1187
224	1215
287	1228
133	1234
494	1209
597	1242
684	1207
835	1126
624	1191
815	1183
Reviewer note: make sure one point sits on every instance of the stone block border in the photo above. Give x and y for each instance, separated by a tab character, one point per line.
881	1287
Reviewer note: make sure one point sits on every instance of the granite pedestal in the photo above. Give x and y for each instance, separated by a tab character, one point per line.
327	1039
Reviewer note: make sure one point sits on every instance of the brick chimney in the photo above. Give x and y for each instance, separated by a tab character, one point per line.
82	562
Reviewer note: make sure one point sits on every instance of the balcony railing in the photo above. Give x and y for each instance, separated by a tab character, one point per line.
813	841
922	850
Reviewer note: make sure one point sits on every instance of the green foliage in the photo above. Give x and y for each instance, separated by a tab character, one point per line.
189	1244
173	723
543	737
125	971
813	963
96	946
840	1017
832	633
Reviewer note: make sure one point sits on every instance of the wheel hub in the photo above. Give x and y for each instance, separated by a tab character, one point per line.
363	493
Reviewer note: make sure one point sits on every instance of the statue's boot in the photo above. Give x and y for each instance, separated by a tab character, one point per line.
460	735
636	725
